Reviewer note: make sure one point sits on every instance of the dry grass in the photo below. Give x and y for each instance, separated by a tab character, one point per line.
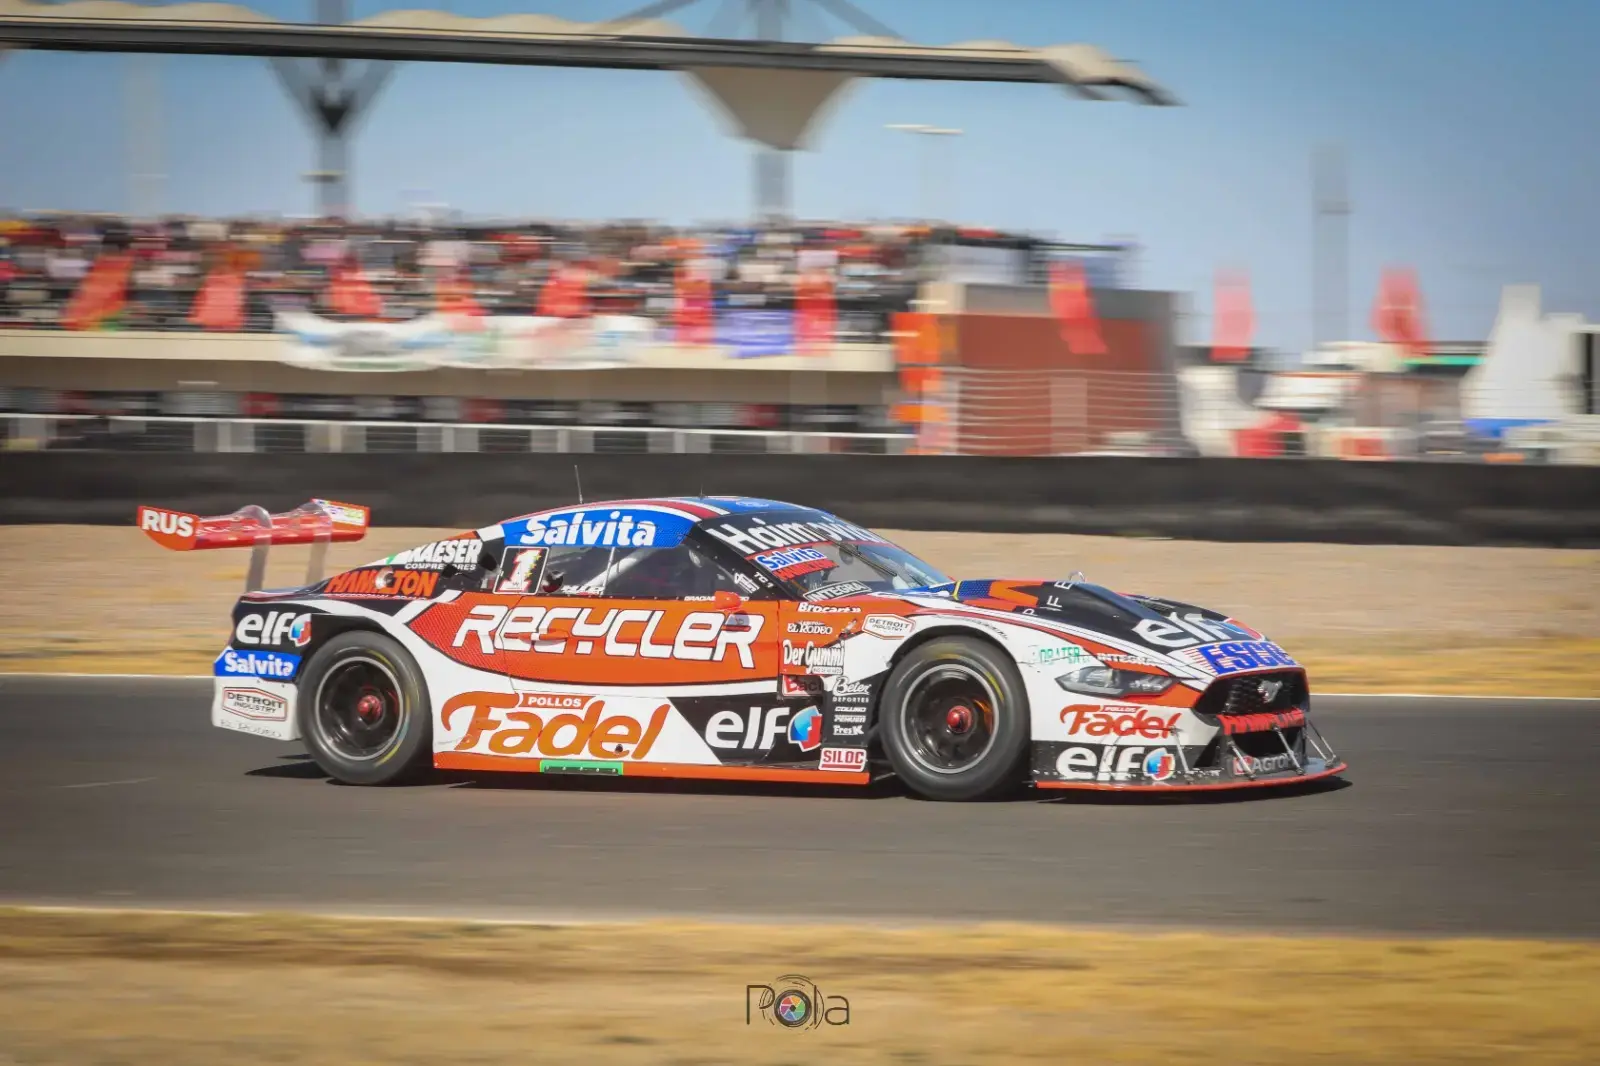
87	989
1363	618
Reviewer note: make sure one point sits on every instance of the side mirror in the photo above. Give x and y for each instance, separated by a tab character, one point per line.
726	601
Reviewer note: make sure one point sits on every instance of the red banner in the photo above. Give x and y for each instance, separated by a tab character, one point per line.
220	302
350	294
101	294
1233	323
1398	314
816	316
693	307
1074	309
566	294
452	295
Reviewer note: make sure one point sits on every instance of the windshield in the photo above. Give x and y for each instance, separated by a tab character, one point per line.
818	556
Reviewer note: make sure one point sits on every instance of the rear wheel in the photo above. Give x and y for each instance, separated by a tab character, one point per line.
954	720
364	712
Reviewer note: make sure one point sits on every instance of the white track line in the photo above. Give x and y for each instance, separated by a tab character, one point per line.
5	675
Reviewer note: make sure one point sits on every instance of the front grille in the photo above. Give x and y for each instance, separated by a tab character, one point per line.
1255	745
1260	745
1243	695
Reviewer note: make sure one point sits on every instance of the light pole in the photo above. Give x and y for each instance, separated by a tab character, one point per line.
928	161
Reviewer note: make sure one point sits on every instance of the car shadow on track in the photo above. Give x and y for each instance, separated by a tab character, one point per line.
1085	797
301	768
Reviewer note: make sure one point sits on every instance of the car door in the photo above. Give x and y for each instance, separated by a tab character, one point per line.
625	653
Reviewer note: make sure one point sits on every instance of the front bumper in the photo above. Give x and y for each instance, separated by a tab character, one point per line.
1257	759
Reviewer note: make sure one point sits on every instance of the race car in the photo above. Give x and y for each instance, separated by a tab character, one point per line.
735	638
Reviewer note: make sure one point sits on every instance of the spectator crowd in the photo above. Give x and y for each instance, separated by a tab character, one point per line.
406	269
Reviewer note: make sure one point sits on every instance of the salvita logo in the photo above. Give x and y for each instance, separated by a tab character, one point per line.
819	661
274	628
794	562
526	732
278	666
601	529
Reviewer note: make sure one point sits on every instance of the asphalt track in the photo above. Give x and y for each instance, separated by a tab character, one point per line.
1475	817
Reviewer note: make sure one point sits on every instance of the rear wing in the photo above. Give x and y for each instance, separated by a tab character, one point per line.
315	523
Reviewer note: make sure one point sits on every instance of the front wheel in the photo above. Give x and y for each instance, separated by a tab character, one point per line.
954	720
364	710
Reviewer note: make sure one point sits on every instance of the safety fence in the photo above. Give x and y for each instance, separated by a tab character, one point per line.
1213	411
126	433
957	411
1216	499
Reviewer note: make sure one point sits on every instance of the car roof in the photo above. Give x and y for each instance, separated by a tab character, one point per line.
698	508
656	522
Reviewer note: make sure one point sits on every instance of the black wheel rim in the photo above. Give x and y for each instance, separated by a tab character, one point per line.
359	711
948	718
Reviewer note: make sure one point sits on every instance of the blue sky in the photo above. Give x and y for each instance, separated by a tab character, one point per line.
1468	126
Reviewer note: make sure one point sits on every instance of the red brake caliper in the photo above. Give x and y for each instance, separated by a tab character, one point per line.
958	719
369	708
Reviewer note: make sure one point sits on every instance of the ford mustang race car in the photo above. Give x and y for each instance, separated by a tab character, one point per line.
737	638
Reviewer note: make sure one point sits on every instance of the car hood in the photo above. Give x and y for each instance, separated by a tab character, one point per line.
1160	624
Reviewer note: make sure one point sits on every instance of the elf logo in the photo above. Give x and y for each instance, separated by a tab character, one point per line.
274	628
758	729
1192	628
1109	762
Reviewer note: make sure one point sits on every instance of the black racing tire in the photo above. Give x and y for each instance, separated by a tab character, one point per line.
953	720
364	711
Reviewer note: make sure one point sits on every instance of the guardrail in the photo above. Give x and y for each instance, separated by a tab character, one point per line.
129	433
1191	499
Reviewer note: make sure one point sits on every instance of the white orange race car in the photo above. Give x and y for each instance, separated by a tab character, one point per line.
737	638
